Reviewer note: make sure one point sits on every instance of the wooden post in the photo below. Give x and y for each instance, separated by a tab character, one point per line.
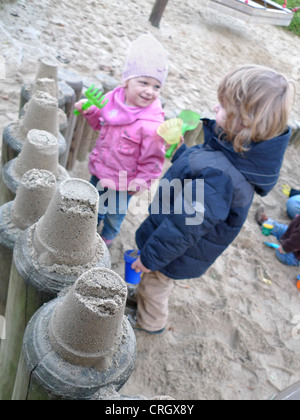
157	12
295	138
89	139
6	195
5	262
76	83
75	144
22	302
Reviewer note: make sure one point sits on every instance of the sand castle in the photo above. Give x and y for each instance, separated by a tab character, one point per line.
41	114
49	241
48	257
40	151
33	197
79	343
48	69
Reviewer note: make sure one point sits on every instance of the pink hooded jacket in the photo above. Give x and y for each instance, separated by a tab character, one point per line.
129	153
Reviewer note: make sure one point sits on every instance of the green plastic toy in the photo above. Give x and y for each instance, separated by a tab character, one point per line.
191	121
94	98
267	229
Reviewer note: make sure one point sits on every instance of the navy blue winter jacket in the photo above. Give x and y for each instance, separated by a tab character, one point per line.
185	245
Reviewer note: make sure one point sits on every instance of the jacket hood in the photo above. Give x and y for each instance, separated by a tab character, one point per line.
260	165
116	112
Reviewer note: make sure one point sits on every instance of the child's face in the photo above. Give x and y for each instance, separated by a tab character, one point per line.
220	115
142	91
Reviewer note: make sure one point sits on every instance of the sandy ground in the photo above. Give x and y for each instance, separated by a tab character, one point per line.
230	332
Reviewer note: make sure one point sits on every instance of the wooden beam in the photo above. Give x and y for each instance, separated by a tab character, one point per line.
157	12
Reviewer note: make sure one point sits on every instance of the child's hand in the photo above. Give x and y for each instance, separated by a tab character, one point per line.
174	147
78	105
281	250
138	266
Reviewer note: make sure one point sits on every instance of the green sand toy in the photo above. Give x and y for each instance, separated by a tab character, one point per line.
191	121
94	98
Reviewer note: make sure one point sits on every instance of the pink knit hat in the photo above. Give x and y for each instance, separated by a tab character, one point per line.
146	57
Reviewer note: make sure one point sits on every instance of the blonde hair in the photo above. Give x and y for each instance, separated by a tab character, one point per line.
257	101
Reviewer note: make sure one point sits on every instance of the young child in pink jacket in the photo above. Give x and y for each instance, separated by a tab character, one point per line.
129	153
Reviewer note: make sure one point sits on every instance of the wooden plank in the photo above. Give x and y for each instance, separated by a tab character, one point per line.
5	266
22	302
252	6
265	4
292	393
26	387
242	11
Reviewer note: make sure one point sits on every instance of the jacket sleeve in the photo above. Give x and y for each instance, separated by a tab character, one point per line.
179	152
93	117
178	232
291	239
294	192
151	159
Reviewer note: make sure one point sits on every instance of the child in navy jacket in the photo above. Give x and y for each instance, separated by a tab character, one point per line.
242	154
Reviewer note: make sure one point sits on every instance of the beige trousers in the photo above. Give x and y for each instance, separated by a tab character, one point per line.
153	300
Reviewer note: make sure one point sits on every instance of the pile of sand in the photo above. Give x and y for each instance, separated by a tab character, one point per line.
230	332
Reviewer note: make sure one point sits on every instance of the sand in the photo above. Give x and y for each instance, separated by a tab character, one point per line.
230	332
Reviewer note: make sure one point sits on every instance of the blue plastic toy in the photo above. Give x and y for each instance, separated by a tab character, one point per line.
131	276
271	245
